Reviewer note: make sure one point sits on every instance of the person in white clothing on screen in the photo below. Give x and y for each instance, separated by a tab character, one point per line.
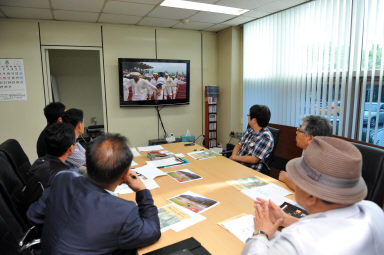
174	87
140	87
168	87
159	83
329	185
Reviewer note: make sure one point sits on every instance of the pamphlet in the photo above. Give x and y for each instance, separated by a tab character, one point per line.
246	183
241	226
194	202
177	218
184	175
151	148
203	154
293	210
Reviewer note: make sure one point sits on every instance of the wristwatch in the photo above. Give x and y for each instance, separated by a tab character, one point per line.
258	232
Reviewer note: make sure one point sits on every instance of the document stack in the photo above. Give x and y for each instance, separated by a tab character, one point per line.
156	155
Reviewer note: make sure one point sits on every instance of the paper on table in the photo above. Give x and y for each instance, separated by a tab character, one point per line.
135	152
241	226
134	163
164	162
274	189
125	189
184	175
194	202
150	148
177	218
270	193
149	171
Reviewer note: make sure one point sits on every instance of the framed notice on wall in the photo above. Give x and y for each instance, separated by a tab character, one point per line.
12	80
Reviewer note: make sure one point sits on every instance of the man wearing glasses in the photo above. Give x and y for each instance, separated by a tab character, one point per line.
311	126
257	142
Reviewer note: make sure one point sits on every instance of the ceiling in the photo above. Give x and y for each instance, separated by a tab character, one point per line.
141	12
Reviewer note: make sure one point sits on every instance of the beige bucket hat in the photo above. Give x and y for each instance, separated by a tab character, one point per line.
330	169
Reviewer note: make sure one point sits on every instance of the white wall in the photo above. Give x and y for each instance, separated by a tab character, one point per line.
77	73
23	120
139	124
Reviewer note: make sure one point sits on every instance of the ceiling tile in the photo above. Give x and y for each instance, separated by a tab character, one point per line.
27	13
119	19
171	13
274	6
211	17
217	27
204	1
126	8
23	3
78	5
244	4
153	2
193	25
256	14
238	21
158	22
75	16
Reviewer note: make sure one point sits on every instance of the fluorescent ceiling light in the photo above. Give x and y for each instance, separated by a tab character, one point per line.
203	7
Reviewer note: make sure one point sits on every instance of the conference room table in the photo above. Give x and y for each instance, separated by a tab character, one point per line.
215	173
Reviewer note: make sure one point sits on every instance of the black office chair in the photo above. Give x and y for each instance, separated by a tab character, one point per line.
373	171
17	157
14	237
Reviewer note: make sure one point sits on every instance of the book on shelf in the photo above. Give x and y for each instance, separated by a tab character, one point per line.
156	155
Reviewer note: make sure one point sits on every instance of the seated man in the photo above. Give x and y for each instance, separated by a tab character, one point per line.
257	142
75	118
311	126
60	143
83	215
53	113
329	185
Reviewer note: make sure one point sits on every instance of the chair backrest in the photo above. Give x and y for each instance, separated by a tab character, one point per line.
373	171
13	188
17	157
276	134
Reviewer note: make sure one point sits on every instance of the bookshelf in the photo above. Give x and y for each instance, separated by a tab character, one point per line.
211	95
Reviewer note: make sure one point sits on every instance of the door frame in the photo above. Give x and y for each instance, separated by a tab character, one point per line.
47	75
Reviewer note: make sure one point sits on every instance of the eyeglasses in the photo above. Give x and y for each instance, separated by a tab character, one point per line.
300	130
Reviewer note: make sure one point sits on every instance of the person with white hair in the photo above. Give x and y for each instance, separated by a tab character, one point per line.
140	87
329	185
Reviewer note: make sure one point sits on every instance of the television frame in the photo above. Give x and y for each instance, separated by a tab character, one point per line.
153	102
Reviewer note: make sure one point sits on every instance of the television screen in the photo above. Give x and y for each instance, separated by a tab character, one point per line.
149	82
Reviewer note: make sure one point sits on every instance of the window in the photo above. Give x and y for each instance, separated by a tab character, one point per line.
324	58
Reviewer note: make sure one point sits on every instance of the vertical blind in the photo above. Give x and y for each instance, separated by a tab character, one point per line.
323	58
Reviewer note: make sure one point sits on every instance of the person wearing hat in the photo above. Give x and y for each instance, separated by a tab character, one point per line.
140	87
158	82
168	87
329	185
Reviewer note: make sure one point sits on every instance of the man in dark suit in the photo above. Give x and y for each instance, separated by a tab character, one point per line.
82	215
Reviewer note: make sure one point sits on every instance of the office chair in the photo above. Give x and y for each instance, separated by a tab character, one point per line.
17	157
373	172
15	238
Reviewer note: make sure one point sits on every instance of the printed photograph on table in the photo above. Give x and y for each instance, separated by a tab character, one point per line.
194	202
293	210
203	154
170	215
246	183
184	175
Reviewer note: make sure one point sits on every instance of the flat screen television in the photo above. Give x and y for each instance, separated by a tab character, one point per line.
151	82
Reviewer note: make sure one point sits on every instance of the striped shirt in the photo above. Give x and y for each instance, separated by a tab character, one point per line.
259	144
77	159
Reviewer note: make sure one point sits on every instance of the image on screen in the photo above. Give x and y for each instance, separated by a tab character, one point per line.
153	82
